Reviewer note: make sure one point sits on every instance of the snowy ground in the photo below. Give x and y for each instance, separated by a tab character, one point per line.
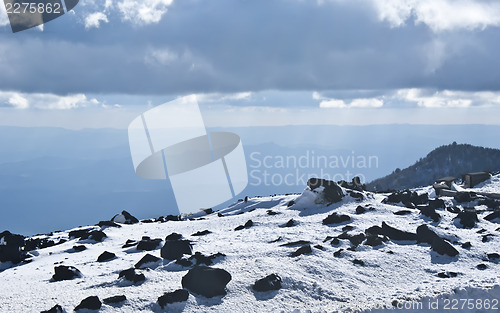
317	282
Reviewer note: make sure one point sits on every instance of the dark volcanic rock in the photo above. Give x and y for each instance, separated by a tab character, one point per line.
248	224
271	212
493	216
438	244
402	212
408	198
268	283
467	245
467	218
306	249
147	261
79	248
493	257
63	272
358	262
200	259
129	243
462	197
206	281
396	234
124	218
482	266
92	234
290	223
115	299
338	253
40	243
179	295
10	250
202	233
295	243
107	224
429	211
148	244
55	309
332	192
360	209
132	276
374	230
334	218
437	204
90	303
356	240
175	249
106	256
374	241
356	195
173	236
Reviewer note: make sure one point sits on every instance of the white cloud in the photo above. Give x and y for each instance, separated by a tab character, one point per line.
440	15
219	97
45	101
143	12
94	20
327	103
448	98
4	19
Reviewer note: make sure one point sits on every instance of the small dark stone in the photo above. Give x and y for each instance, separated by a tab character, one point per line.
179	295
276	240
306	249
202	233
206	281
79	248
443	275
290	203
338	253
248	224
335	241
356	195
358	262
347	228
468	218
482	266
271	212
147	244
437	204
396	234
453	209
132	276
90	303
173	236
208	211
124	218
334	218
129	243
107	224
295	243
146	261
63	272
175	249
290	223
494	257
106	256
220	215
319	247
462	197
486	238
467	245
492	216
482	230
239	227
402	212
332	192
356	240
115	299
55	309
374	231
174	218
268	283
328	238
429	211
374	241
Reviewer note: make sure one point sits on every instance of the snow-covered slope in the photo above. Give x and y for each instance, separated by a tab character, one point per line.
356	279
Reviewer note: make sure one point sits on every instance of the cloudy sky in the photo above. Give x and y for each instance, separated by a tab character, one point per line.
256	62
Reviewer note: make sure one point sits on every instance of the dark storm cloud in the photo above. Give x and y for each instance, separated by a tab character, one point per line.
232	46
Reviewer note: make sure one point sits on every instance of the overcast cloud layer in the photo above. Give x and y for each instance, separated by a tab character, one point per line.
178	47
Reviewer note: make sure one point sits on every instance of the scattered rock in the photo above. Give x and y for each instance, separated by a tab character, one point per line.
90	303
437	204
208	211
173	236
467	218
334	218
356	195
276	240
248	224
429	211
306	249
129	243
338	253
91	234
358	262
148	244
374	231
347	228
486	238
79	248
356	240
147	261
290	203
132	276
332	193
447	274
360	210
402	212
482	266
175	249
467	245
374	241
408	198
268	283
107	224
206	281
295	243
11	247
199	259
174	218
179	295
271	212
115	299
493	257
462	197
319	247
55	309
124	218
63	272
202	233
106	256
396	234
438	244
290	223
493	216
335	242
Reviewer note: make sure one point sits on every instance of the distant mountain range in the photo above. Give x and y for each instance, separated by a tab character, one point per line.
449	160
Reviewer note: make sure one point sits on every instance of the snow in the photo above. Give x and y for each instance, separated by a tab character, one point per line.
318	282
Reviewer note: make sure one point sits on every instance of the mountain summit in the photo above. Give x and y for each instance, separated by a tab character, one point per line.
449	160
